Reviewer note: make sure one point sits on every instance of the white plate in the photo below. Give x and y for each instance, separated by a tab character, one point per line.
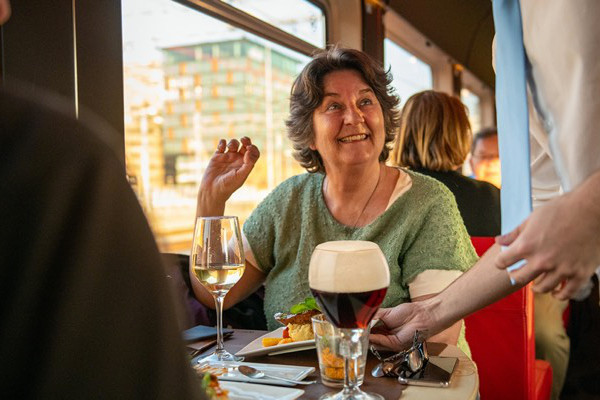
251	391
255	347
227	371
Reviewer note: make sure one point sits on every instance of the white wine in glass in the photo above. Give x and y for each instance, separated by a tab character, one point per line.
217	261
349	279
218	279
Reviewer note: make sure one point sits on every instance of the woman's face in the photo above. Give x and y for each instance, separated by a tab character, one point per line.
348	124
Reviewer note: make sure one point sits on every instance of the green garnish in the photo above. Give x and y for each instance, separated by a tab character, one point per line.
205	384
308	304
206	381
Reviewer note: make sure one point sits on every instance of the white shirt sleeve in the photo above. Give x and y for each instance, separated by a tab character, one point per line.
561	41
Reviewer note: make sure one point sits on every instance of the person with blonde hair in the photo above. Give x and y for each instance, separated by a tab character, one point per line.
434	139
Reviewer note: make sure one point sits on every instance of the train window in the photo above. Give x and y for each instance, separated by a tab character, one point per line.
411	75
190	79
473	103
307	21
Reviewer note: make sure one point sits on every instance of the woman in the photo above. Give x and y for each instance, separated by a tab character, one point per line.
434	139
342	118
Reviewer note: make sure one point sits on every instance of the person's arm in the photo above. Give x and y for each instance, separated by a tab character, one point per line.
449	335
479	287
252	279
227	171
560	241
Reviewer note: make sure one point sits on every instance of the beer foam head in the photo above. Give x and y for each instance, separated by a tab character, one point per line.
348	266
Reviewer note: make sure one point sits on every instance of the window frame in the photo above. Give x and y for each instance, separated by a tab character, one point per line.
240	19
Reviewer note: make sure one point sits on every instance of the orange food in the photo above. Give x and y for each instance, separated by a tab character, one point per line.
270	341
334	365
286	333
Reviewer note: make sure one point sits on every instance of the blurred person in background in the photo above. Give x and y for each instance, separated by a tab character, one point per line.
485	159
434	139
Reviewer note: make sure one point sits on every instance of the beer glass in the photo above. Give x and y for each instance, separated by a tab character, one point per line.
349	279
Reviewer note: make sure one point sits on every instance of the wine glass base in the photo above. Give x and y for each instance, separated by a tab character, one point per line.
356	395
222	355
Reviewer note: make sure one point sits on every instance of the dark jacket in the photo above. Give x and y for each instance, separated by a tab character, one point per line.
478	201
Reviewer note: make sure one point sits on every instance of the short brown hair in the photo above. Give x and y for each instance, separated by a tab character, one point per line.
307	95
434	134
483	134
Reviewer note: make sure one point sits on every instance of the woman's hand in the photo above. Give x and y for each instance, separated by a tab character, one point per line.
227	171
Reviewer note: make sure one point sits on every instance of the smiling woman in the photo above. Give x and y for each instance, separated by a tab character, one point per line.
343	115
309	96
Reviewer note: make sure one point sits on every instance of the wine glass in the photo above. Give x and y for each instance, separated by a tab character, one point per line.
217	261
349	279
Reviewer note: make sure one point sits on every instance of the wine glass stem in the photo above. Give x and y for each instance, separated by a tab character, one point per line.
219	310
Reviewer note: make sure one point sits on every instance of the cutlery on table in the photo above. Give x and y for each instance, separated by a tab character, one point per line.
254	373
202	348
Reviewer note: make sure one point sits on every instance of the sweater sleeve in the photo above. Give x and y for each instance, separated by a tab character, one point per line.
441	241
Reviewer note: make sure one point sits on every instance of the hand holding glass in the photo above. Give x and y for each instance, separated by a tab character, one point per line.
349	279
217	261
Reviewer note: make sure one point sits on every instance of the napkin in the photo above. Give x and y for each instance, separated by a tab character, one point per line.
202	332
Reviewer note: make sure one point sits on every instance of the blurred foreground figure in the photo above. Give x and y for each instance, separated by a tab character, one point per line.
559	240
85	310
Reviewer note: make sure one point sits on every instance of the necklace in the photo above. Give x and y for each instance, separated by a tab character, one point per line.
354	225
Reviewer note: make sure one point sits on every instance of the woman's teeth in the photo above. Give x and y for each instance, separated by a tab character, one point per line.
353	138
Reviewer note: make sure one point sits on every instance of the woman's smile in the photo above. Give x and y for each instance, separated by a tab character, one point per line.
354	138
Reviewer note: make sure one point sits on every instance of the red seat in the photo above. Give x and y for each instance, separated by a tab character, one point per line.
502	341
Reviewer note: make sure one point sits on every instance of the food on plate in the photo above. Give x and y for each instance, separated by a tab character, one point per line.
210	385
298	325
274	341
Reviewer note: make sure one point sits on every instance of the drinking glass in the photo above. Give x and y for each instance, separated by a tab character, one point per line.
349	279
217	261
328	341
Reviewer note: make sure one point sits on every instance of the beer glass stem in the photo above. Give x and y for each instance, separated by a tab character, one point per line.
219	310
352	351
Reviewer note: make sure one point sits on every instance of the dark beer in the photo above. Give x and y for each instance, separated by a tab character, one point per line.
350	310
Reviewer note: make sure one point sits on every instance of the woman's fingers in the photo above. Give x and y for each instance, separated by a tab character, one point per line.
221	146
245	143
251	154
233	146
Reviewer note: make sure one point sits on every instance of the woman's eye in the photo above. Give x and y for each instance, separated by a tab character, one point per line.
366	102
333	106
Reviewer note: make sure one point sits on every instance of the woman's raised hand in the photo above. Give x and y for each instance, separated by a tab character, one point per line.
227	171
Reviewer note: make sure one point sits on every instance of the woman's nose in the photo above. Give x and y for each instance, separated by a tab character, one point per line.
353	116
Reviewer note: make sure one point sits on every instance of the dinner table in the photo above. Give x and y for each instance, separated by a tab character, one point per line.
464	383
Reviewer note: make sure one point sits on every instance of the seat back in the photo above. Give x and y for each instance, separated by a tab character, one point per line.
502	342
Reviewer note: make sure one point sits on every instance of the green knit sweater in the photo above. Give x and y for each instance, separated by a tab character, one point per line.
421	230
